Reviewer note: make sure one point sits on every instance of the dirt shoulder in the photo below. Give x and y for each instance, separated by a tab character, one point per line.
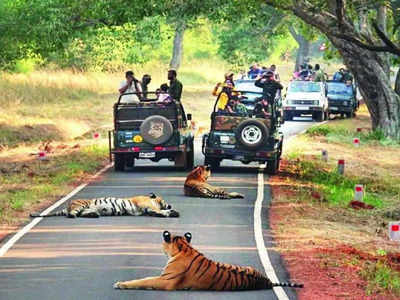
337	251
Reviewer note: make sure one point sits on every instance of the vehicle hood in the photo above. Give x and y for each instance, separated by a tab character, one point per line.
303	96
339	97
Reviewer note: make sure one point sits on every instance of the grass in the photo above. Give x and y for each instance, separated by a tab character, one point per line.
380	278
24	187
337	189
317	199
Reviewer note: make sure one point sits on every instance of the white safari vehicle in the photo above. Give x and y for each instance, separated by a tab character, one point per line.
306	98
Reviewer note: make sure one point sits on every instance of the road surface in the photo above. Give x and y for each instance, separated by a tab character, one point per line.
68	259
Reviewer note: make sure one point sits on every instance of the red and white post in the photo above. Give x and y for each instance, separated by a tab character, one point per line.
394	231
359	192
341	166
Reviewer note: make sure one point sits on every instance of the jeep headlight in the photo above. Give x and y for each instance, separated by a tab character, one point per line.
345	103
316	102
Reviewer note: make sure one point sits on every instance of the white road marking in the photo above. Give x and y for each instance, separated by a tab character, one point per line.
35	221
262	251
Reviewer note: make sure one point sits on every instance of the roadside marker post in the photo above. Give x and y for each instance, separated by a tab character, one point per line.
356	142
42	155
325	155
359	192
394	231
341	166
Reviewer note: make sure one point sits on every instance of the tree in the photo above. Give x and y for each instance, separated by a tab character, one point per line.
360	49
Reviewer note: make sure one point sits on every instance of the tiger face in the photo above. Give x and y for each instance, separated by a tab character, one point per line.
172	245
200	173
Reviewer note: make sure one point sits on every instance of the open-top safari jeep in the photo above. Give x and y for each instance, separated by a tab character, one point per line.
244	139
151	130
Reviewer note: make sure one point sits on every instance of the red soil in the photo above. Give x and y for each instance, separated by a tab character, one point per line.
326	272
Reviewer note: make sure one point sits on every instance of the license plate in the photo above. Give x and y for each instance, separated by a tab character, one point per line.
334	108
302	108
147	154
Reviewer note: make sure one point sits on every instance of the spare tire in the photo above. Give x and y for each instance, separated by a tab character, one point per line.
252	134
156	130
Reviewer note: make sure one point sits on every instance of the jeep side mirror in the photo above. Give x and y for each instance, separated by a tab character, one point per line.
189	117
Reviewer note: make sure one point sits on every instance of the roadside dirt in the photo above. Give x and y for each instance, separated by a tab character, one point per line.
322	246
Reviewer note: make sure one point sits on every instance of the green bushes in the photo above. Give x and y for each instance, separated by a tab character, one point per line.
337	189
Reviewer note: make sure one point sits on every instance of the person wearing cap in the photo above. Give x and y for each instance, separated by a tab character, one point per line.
269	86
175	86
224	91
146	79
130	85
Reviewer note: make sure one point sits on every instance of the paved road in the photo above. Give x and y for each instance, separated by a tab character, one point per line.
80	259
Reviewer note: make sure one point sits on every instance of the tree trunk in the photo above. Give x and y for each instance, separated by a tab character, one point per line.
370	73
397	83
367	67
177	51
303	51
382	23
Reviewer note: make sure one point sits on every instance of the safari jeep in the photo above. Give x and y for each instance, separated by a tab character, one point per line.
151	130
245	139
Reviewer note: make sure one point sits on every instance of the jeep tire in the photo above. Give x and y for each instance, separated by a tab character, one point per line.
252	134
119	162
212	162
272	166
156	130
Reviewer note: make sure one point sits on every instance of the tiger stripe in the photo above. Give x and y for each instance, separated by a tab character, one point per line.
188	269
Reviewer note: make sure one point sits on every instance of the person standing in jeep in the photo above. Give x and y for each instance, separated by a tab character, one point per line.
269	86
130	85
175	86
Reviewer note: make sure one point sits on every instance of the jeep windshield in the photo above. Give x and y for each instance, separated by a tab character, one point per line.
338	88
304	87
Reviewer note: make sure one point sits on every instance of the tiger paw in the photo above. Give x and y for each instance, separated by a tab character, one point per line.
173	214
119	285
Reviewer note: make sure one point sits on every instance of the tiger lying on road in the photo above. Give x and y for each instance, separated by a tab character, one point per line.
196	185
151	205
189	269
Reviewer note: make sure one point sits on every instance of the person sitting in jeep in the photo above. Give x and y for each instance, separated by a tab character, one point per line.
163	96
236	108
224	91
269	86
261	109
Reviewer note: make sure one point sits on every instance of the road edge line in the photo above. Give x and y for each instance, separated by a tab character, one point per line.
262	251
35	221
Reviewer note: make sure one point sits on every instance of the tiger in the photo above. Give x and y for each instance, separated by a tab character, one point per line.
151	205
196	185
188	269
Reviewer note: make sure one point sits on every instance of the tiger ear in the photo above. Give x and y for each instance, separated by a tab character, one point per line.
208	167
167	236
153	196
188	237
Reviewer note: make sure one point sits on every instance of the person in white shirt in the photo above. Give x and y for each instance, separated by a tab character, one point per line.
130	85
